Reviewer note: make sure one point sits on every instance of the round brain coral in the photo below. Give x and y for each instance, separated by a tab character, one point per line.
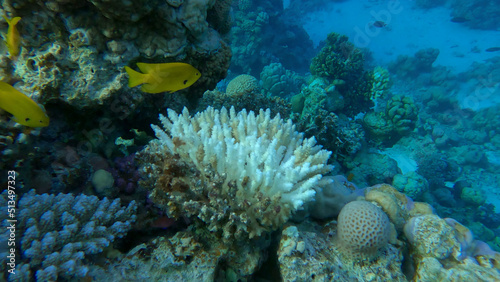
363	229
243	84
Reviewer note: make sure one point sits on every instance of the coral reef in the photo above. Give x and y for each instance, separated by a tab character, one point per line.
378	127
261	36
58	231
371	168
402	113
251	182
332	198
316	104
308	253
320	94
337	133
425	246
73	59
126	174
479	14
339	59
437	169
411	184
411	67
435	240
183	257
381	83
278	81
399	119
254	102
473	196
341	63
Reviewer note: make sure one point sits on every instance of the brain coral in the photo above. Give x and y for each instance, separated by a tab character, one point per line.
243	84
363	229
236	175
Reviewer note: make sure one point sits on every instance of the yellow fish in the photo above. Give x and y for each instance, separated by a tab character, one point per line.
13	40
166	77
24	110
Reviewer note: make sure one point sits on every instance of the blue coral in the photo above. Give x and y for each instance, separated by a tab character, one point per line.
57	231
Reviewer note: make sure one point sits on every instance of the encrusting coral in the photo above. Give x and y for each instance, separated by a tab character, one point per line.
238	174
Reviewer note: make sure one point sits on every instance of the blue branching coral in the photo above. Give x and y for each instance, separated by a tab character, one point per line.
56	232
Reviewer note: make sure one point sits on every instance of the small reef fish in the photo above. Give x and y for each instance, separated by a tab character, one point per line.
165	77
13	40
493	49
24	110
379	24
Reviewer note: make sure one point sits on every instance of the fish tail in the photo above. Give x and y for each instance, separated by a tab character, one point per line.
134	78
12	22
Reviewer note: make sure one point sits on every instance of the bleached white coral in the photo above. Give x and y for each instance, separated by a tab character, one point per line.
261	159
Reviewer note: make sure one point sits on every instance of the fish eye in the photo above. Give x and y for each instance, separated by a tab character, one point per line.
197	74
27	119
185	81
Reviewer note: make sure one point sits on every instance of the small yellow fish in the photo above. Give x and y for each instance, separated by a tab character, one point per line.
24	110
166	77
13	40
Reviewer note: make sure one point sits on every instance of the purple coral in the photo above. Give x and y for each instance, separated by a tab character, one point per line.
125	173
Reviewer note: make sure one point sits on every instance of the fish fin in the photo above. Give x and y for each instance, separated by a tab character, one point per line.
134	77
147	68
149	88
161	67
14	21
